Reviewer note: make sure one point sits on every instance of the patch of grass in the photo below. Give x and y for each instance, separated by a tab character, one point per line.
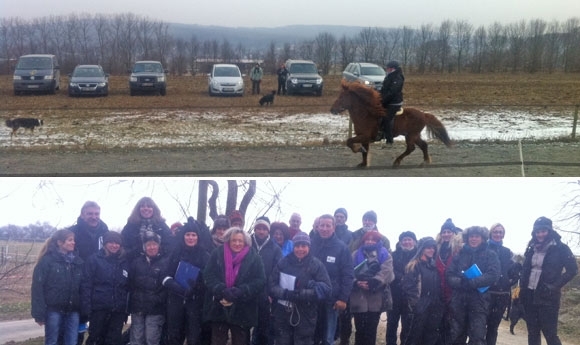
15	310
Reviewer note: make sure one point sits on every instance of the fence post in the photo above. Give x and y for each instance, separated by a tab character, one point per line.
575	122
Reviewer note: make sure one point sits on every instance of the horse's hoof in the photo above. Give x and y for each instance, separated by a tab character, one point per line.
361	165
396	164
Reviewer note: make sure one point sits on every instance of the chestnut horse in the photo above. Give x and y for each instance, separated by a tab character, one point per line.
364	107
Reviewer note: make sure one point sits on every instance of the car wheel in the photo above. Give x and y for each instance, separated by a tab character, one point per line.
132	92
319	93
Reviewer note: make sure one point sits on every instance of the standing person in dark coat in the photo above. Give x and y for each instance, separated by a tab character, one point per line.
234	277
145	217
105	292
270	253
89	230
185	303
338	262
470	298
55	292
345	235
392	97
500	291
449	243
148	296
373	274
295	309
423	296
282	73
406	250
548	265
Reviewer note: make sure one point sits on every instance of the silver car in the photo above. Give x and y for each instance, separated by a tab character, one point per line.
225	79
367	73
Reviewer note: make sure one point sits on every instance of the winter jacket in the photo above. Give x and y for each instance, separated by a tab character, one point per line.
357	237
270	254
362	301
88	240
392	90
132	238
56	285
196	256
509	272
337	259
256	73
106	283
400	260
343	234
146	285
312	283
558	268
486	260
282	73
250	280
423	297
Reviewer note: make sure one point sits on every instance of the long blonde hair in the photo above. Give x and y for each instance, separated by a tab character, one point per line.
51	244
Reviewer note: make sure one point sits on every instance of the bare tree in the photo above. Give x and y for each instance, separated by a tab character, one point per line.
517	41
553	46
571	45
366	41
179	57
324	46
286	52
535	46
462	37
444	48
425	36
270	59
479	49
227	53
193	51
346	51
496	46
407	44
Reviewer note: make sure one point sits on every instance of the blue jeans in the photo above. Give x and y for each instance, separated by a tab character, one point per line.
331	322
55	321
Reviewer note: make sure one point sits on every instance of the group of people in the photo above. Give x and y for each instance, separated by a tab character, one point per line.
257	73
274	283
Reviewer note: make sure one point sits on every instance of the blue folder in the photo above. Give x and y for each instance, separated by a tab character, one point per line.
185	272
474	272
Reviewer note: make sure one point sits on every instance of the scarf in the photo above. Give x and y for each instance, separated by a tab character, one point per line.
232	263
499	244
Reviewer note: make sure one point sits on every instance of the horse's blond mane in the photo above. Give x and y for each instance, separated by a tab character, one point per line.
367	95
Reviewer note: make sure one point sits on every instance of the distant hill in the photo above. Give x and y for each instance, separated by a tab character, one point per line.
260	38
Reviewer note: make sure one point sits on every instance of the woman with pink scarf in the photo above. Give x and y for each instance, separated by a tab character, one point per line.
234	277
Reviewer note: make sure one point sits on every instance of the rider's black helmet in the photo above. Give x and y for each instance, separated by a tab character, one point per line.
393	64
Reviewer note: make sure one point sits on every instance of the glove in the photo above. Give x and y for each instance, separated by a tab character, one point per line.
373	284
232	294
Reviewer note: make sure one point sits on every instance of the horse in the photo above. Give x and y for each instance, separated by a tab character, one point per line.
364	107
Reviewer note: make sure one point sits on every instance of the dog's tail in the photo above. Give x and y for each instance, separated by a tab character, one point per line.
9	123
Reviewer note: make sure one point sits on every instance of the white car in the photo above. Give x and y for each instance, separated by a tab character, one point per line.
225	79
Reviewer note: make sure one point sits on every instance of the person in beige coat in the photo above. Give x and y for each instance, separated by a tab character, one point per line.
373	273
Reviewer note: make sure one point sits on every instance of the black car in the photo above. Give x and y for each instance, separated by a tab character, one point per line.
88	80
148	76
303	77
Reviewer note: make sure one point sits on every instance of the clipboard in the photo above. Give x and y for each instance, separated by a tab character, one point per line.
185	272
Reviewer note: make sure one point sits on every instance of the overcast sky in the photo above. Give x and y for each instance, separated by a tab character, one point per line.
420	205
269	13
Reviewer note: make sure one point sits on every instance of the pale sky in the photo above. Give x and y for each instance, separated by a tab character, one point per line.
420	205
268	13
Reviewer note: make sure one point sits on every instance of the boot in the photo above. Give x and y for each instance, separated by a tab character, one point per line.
512	329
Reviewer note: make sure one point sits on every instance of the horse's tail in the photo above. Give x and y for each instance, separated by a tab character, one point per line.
436	129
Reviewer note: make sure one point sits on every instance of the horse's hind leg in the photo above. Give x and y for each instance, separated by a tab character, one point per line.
410	148
424	147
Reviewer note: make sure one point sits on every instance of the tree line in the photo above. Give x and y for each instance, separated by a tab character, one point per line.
116	41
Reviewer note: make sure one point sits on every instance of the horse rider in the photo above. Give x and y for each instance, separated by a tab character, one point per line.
391	97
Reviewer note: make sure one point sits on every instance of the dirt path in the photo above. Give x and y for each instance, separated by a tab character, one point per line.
465	159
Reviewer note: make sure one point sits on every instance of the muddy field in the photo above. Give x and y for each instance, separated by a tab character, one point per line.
189	133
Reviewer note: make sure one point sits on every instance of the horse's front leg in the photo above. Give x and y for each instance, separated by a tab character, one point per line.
362	147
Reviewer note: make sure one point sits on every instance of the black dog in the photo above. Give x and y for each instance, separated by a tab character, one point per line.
23	122
268	99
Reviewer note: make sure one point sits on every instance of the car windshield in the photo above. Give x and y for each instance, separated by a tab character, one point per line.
306	68
372	70
34	63
226	72
147	67
88	72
